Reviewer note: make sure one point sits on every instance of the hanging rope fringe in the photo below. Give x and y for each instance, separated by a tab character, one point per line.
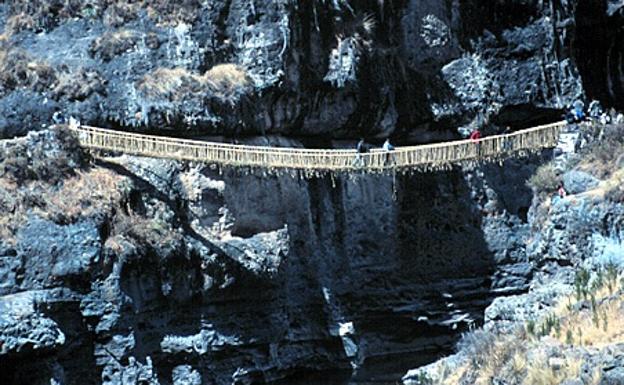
316	163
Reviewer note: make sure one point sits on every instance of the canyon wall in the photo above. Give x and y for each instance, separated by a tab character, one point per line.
182	274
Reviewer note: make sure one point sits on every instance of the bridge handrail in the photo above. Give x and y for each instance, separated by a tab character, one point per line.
225	154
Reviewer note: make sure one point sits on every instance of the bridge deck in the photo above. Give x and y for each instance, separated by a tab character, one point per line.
422	157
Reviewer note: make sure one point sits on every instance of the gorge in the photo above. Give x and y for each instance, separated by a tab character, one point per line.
123	270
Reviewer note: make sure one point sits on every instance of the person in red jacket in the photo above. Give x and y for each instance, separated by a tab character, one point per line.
475	136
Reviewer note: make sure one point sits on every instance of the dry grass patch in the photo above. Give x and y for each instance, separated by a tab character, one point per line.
147	231
594	314
172	84
83	195
20	22
507	358
596	327
78	85
89	192
38	15
173	11
600	158
614	187
552	349
226	82
119	13
19	70
114	43
540	372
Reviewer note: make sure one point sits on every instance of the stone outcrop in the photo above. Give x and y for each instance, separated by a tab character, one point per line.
411	68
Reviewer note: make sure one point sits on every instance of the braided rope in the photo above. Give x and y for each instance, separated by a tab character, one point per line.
310	161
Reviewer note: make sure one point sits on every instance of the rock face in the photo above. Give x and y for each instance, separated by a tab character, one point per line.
572	241
412	68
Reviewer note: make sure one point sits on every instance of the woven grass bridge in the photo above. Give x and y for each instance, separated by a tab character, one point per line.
312	162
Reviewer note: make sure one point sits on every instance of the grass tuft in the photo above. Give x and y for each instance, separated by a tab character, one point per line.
225	82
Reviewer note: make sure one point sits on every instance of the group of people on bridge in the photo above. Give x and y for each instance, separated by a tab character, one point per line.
574	113
362	147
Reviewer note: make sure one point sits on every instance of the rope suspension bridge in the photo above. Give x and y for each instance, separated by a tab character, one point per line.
313	162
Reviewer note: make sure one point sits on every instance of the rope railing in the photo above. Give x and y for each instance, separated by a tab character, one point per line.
421	157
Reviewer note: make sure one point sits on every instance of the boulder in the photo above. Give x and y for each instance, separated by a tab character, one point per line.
23	329
52	252
186	375
578	181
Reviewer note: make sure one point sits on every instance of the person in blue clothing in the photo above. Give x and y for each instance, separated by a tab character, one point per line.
388	148
579	110
360	148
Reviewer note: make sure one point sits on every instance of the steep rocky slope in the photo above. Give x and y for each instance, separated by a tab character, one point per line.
568	326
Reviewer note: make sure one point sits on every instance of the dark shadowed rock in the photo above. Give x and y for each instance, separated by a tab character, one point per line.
52	253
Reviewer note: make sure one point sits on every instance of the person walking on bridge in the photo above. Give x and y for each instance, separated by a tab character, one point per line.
361	148
506	139
475	137
388	148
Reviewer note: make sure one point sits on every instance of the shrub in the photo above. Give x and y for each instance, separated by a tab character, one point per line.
45	156
545	180
113	43
581	283
612	272
530	327
18	69
225	82
478	345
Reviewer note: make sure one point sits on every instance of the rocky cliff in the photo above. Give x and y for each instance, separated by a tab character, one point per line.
567	327
128	271
411	69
